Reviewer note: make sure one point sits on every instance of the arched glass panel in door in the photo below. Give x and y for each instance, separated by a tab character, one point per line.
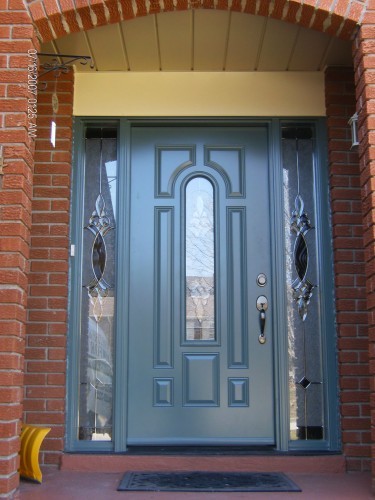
200	260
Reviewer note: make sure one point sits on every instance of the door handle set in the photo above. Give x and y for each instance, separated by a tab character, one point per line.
262	306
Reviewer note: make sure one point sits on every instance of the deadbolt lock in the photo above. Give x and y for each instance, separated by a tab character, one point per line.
261	279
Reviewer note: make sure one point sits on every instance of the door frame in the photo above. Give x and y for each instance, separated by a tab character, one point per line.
280	341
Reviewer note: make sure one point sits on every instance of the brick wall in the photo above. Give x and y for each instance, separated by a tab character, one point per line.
16	37
349	270
45	356
364	64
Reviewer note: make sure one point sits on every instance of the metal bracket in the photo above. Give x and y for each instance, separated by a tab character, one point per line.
58	65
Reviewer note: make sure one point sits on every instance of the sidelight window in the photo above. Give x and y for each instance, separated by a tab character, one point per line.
98	286
306	383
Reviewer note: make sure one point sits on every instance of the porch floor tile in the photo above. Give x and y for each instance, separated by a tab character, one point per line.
73	485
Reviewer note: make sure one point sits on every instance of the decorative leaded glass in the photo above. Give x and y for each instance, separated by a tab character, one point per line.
303	314
98	285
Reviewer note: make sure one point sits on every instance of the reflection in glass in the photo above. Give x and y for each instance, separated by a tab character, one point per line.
303	314
200	260
98	292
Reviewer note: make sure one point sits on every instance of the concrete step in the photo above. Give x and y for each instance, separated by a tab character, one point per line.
257	463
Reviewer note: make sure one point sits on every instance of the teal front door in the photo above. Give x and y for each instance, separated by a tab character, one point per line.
200	305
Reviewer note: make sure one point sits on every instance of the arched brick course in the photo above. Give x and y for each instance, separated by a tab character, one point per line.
57	18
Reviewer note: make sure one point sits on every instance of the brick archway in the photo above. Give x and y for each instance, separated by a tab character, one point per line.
58	18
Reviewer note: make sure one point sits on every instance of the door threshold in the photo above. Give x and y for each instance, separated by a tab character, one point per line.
202	450
206	451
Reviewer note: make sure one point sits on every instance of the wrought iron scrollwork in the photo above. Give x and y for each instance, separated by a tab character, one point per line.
60	64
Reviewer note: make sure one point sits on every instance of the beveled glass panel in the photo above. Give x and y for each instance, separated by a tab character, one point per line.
200	260
98	286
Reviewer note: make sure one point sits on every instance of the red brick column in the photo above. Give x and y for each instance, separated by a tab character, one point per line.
16	38
349	269
364	60
48	291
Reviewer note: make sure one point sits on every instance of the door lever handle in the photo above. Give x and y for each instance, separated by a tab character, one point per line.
262	321
262	306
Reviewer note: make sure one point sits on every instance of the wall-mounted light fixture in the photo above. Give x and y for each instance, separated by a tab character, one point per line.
353	122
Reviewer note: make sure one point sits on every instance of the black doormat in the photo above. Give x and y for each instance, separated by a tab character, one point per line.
206	481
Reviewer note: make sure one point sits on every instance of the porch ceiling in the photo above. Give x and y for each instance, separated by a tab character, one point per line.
204	40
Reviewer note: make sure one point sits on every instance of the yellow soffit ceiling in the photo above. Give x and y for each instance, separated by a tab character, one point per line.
204	40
